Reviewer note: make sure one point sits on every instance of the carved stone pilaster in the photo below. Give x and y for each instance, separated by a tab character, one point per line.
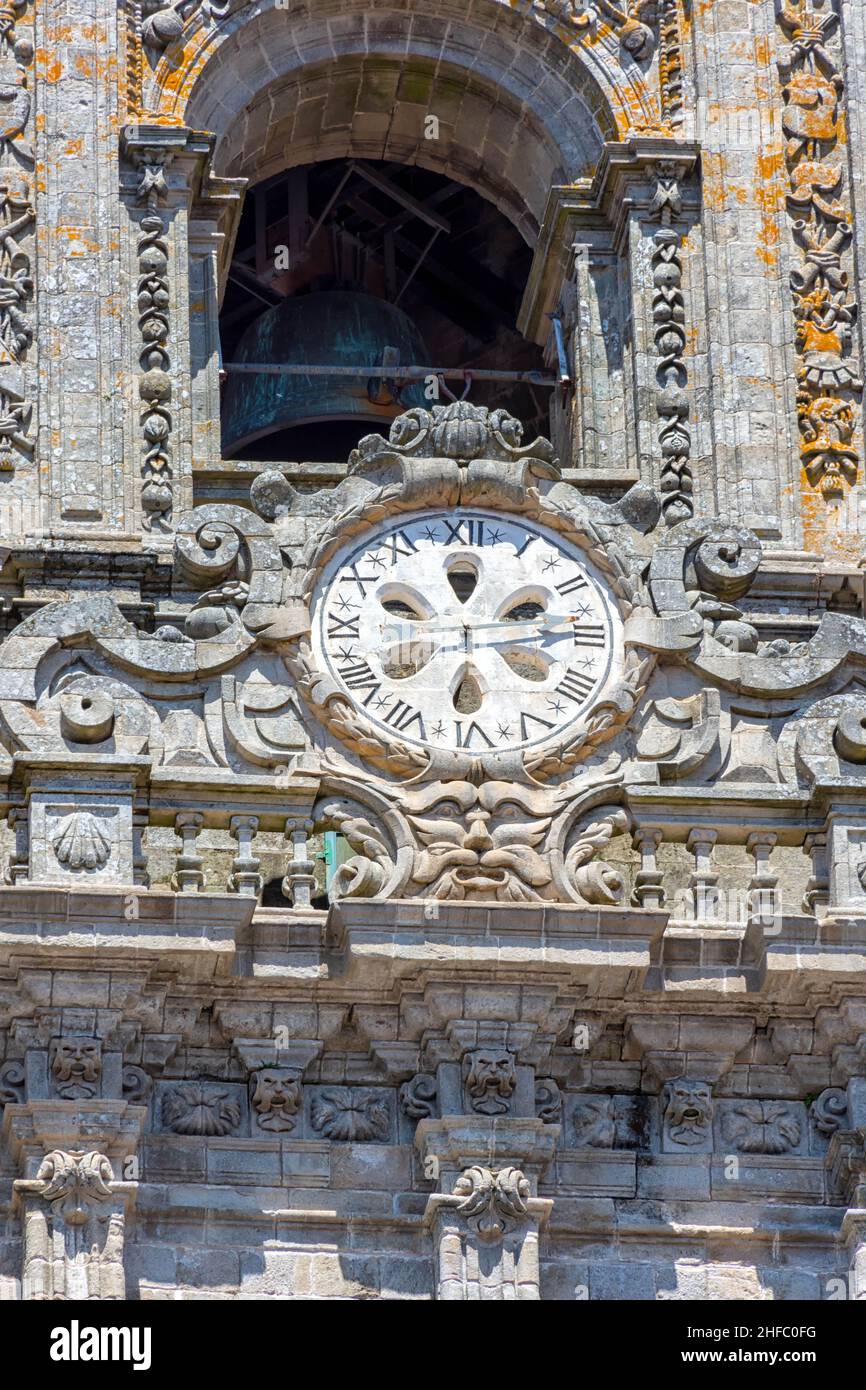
591	265
165	179
486	1216
814	123
75	1196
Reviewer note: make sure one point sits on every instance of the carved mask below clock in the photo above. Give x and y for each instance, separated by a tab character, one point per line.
467	630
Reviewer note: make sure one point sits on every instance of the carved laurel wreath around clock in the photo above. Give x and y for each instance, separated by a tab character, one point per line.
602	721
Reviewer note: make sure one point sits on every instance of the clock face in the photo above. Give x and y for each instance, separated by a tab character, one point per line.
466	630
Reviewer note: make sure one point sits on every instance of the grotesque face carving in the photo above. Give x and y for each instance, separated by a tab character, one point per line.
480	842
76	1064
275	1097
688	1110
490	1079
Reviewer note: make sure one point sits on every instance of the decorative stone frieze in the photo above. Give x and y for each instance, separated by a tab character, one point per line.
17	229
829	376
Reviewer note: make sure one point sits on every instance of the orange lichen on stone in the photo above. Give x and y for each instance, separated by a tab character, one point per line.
823	531
770	194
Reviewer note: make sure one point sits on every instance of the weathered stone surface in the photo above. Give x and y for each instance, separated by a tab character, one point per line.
441	873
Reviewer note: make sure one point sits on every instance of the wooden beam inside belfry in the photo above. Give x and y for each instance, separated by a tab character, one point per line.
393	190
242	275
299	211
330	203
435	268
440	196
260	207
423	253
390	265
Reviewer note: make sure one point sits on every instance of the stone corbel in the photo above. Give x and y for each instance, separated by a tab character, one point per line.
700	1047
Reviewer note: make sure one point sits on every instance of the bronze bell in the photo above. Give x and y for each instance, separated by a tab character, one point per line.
333	328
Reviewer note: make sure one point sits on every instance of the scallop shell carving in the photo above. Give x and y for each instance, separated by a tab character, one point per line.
81	842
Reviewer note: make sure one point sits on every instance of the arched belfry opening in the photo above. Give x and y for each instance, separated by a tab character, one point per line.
369	267
394	193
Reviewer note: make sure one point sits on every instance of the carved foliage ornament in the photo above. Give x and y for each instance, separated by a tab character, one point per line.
17	217
829	384
154	385
670	340
351	1113
198	1108
762	1127
594	1123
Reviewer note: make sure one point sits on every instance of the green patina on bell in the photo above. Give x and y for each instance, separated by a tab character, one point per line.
336	328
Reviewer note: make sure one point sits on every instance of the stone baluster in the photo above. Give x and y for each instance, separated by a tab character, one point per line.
19	861
139	858
704	879
188	877
817	895
648	890
300	878
763	902
245	877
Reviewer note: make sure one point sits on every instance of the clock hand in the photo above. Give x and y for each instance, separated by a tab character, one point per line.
549	621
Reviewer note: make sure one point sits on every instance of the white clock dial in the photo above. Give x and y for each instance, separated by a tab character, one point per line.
465	630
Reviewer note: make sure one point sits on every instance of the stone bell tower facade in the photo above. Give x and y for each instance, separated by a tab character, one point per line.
578	1009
